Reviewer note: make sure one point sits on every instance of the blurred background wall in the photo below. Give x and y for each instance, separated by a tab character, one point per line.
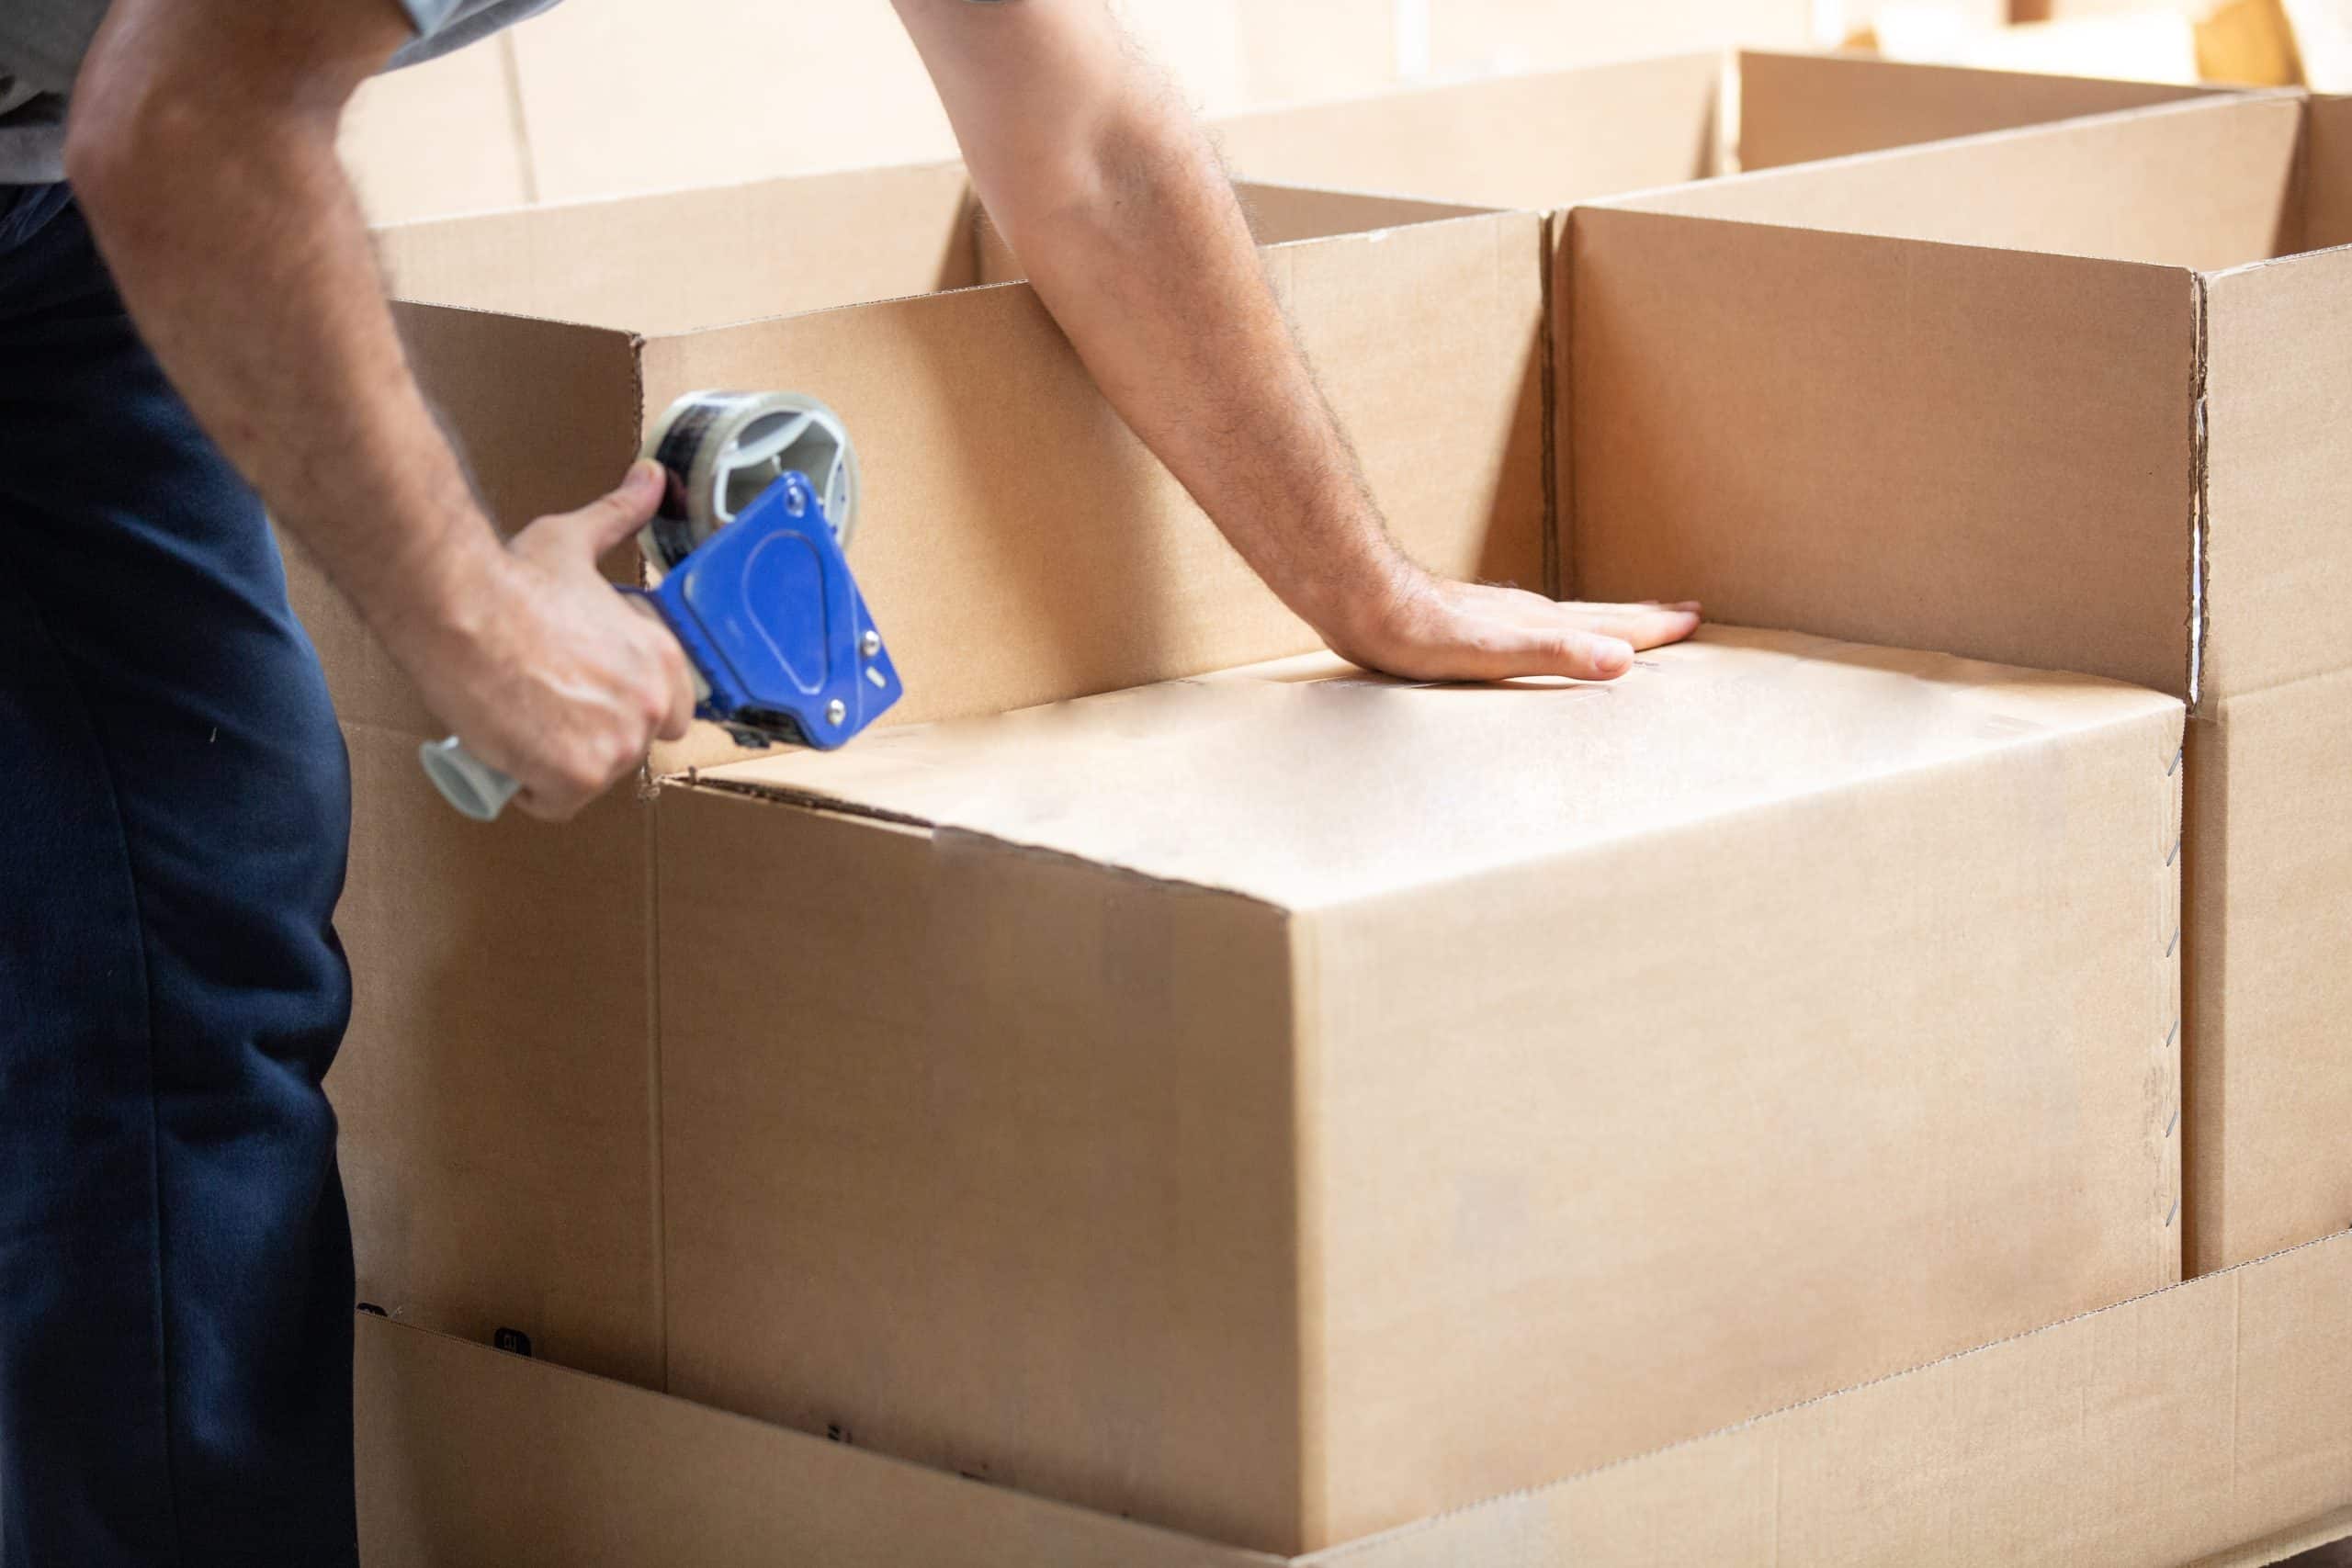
607	97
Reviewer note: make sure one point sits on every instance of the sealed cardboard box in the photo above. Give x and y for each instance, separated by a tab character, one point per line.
1546	141
1284	1105
2073	398
2203	1424
1018	546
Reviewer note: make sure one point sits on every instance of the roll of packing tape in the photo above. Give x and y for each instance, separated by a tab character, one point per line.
720	450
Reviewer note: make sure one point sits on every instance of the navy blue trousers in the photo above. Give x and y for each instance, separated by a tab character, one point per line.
176	1277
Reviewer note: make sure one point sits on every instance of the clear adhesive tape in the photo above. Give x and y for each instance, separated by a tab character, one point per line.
721	449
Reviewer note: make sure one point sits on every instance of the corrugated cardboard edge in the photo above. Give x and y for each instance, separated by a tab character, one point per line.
822	804
2336	1527
2200	490
1556	503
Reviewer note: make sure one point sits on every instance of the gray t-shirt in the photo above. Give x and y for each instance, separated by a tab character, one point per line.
42	42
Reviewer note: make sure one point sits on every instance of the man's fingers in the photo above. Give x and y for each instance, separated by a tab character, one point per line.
609	519
1498	651
1640	624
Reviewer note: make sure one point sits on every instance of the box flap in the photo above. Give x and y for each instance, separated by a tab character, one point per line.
1533	141
1794	108
2205	184
1277	215
2279	473
1311	783
698	258
1925	446
471	1456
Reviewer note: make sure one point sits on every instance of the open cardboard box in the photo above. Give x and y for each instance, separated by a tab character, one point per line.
1546	141
1287	1104
2201	1425
2075	398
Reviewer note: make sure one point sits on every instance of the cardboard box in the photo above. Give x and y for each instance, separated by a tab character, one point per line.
2071	398
1289	1104
1028	551
2201	1425
1544	141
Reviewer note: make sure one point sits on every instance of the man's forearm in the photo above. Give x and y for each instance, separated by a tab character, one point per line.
236	243
1154	275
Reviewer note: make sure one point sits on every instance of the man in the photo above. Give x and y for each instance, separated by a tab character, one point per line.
196	313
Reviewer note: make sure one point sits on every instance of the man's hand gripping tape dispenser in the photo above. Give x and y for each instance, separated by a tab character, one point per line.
762	500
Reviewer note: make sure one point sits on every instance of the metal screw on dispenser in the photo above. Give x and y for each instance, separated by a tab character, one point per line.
836	711
871	643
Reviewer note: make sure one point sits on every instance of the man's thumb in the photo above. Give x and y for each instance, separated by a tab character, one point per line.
609	519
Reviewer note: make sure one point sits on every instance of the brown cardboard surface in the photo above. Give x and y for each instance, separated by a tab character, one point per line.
1533	141
2204	184
2328	175
493	1086
1798	107
2277	407
470	1456
2270	873
1795	427
700	257
1276	215
1235	1081
2202	1423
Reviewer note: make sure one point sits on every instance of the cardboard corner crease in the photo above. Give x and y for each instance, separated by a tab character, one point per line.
2069	397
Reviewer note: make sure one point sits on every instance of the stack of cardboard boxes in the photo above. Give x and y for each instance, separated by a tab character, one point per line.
1175	1099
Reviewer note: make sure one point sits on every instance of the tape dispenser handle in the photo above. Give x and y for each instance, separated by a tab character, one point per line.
465	781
